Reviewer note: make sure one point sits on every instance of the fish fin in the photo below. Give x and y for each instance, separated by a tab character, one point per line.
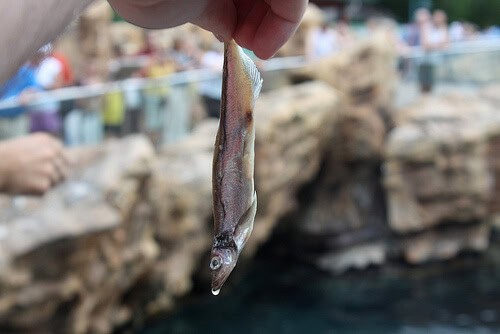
245	225
253	73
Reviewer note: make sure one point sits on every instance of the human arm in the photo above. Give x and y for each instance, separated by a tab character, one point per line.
26	25
32	164
262	26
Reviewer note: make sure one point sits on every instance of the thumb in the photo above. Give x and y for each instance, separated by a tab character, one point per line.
219	18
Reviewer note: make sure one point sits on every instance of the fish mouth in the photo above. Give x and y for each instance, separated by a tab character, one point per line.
219	277
217	284
222	263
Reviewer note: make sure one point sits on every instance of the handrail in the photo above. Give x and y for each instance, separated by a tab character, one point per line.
459	48
132	84
185	77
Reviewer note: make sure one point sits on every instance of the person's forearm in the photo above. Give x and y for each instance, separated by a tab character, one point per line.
26	25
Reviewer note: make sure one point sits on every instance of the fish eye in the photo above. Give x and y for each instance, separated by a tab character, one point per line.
215	263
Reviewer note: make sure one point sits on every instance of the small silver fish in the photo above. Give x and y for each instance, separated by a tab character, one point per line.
234	196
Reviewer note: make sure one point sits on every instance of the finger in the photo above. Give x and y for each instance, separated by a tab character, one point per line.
219	17
42	186
249	21
49	172
272	34
274	28
288	10
67	158
61	168
38	186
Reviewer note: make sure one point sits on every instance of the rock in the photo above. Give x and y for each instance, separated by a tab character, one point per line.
359	135
124	236
342	210
445	244
343	207
94	36
441	174
355	257
294	127
67	258
365	73
436	169
180	192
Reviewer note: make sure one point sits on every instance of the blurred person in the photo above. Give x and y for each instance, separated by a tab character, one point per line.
113	113
49	75
492	32
321	41
156	96
133	99
84	125
184	54
265	31
212	60
149	47
14	122
421	22
67	73
435	36
471	31
113	107
32	164
457	31
68	79
344	34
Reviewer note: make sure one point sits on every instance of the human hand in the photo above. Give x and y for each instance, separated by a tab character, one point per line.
262	26
32	164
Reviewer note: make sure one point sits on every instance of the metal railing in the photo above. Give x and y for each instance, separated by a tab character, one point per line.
182	87
165	103
471	62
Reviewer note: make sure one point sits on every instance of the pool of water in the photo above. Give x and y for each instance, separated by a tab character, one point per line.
279	295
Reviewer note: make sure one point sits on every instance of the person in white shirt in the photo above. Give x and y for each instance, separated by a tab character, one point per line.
435	36
49	75
321	42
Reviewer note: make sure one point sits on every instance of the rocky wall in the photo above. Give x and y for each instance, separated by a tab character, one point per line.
121	240
440	176
67	259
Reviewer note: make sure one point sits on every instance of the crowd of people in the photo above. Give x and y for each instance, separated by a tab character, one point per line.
89	120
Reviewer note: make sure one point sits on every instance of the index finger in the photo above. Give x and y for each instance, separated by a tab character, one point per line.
278	25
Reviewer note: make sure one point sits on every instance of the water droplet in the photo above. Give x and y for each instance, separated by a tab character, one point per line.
215	292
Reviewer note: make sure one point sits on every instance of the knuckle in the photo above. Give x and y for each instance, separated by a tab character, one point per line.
42	186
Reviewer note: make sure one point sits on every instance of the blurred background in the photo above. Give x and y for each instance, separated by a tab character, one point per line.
377	142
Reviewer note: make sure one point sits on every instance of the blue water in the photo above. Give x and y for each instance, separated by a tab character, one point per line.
279	295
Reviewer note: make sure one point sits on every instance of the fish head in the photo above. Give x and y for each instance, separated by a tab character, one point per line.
222	262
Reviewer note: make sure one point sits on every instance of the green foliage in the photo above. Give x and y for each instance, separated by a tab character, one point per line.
398	8
482	12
